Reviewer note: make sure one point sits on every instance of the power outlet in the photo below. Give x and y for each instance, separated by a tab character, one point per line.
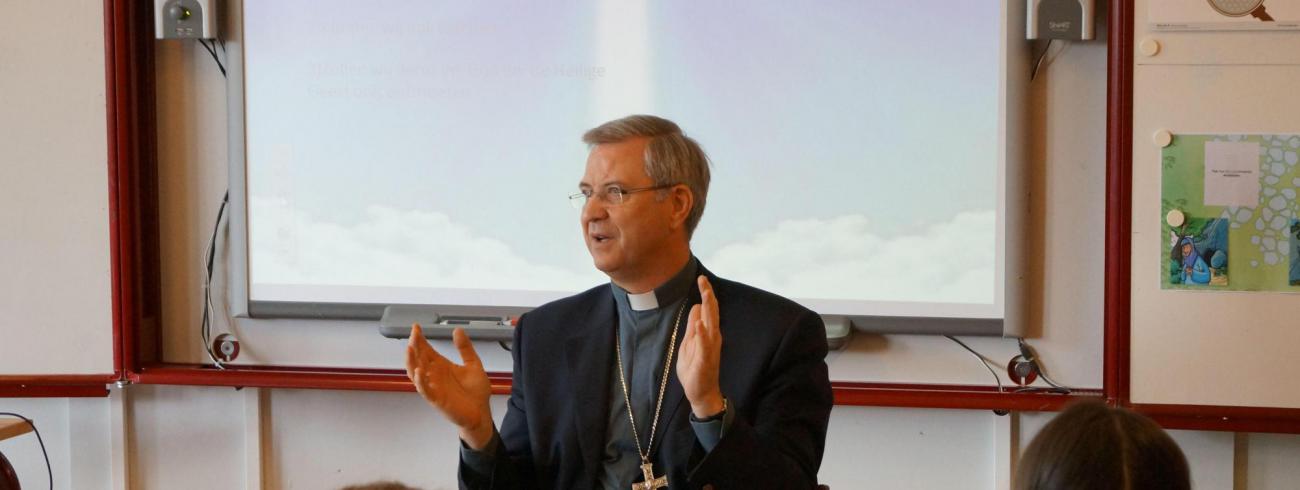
226	347
1022	371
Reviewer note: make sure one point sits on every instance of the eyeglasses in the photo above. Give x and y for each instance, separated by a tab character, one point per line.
612	195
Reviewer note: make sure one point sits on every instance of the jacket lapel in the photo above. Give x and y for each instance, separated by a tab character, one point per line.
674	394
672	406
589	356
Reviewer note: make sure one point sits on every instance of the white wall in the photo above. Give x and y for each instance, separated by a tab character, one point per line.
54	269
202	438
77	435
194	437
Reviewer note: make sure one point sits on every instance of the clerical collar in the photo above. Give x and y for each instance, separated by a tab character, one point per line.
669	292
644	301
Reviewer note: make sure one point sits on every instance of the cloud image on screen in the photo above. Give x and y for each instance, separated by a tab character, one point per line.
427	157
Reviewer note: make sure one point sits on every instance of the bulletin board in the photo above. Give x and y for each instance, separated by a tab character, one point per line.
1218	354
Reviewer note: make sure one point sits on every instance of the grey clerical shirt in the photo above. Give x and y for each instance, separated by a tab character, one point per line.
645	325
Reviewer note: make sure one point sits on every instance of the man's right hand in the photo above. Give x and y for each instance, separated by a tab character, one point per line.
460	392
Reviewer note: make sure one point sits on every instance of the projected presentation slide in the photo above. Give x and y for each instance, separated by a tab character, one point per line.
423	152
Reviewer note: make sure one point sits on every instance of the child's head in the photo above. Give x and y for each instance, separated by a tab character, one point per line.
1093	446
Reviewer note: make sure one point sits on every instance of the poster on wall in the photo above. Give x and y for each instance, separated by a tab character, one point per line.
1230	219
1223	15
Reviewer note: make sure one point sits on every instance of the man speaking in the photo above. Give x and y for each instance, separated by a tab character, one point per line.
600	377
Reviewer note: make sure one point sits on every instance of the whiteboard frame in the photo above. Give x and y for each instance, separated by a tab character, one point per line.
1006	317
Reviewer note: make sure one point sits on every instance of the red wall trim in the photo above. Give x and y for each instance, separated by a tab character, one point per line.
55	385
133	178
951	396
290	377
45	391
121	166
115	235
1119	155
861	394
1223	418
58	379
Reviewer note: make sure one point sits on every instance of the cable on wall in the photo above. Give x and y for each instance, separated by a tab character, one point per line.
1027	356
209	254
1044	58
212	51
982	359
209	312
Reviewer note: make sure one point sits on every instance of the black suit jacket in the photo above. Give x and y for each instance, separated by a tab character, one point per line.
773	373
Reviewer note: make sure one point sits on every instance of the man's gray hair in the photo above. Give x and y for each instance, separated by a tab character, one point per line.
671	157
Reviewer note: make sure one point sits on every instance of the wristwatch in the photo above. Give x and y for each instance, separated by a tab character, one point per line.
714	417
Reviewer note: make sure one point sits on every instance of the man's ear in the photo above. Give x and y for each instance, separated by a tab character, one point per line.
683	201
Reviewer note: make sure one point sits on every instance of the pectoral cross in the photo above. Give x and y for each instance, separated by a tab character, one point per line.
650	483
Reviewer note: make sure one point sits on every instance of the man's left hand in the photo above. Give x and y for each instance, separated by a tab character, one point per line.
701	354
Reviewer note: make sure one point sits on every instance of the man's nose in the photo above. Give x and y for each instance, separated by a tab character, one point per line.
595	208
